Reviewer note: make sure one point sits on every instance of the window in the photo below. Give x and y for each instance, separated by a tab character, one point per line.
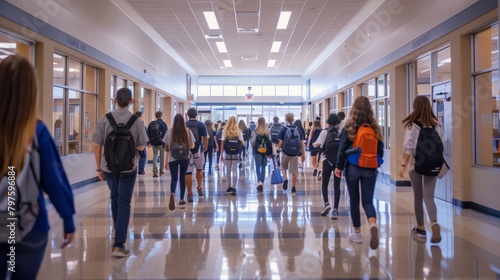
378	93
486	97
74	113
348	98
242	90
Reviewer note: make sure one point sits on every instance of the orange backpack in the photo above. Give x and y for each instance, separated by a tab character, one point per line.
367	141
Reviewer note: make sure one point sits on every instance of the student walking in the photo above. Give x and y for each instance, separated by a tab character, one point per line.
361	131
210	147
218	143
142	154
231	145
178	142
197	160
156	132
315	151
291	143
262	150
117	166
423	185
246	137
302	131
27	147
328	142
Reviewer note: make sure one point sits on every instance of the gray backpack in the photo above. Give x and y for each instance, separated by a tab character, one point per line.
20	190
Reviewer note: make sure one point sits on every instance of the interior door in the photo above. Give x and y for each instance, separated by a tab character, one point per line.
441	95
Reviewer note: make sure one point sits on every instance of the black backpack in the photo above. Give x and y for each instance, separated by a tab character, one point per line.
331	146
291	142
275	130
155	133
262	145
179	151
247	134
192	125
429	151
119	146
232	146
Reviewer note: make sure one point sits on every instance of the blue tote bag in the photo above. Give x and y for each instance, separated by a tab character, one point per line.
276	177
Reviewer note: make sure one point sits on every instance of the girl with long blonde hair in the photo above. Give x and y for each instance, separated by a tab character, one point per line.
231	145
21	135
262	150
361	113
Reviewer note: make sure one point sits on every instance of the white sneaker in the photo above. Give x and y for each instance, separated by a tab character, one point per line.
356	238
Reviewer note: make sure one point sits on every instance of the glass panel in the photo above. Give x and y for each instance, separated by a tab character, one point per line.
74	125
58	117
257	90
241	90
268	91
486	49
487	119
203	90
387	142
381	115
230	91
257	111
217	114
8	47
130	86
295	91
216	91
90	79
369	90
281	90
89	122
244	110
424	76
381	86
444	64
229	111
141	101
59	69
112	92
120	83
74	74
387	82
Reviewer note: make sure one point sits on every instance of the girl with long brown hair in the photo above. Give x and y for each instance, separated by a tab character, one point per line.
361	113
178	135
423	186
21	135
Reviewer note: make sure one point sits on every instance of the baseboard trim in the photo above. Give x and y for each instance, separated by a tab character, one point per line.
477	207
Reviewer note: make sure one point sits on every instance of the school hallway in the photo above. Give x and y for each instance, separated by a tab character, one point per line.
270	236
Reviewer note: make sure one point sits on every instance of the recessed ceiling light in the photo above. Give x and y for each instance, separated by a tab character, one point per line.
276	46
211	20
283	20
271	62
221	46
228	63
213	37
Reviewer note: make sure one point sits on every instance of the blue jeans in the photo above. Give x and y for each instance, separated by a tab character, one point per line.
368	177
142	160
121	186
178	170
29	256
260	166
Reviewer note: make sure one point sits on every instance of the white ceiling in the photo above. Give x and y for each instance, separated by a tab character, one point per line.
313	25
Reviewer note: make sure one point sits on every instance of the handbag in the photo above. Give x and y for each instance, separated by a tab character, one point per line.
444	170
276	177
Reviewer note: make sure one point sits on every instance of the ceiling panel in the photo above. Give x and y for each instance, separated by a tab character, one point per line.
248	28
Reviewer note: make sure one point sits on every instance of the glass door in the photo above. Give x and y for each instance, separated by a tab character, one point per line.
441	95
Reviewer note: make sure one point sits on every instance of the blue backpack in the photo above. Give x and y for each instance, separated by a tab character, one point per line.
291	142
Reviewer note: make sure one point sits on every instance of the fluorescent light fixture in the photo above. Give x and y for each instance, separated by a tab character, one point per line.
271	62
276	46
221	46
283	20
211	20
7	45
228	63
448	60
441	64
426	70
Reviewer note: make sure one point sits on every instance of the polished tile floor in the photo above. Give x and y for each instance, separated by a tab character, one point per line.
270	236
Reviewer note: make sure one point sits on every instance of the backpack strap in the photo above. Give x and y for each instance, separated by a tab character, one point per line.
131	121
111	120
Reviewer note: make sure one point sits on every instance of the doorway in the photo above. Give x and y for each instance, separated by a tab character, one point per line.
441	103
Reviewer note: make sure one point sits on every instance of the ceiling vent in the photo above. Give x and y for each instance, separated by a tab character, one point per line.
248	21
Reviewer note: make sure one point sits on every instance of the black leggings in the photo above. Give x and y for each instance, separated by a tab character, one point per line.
326	173
210	153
